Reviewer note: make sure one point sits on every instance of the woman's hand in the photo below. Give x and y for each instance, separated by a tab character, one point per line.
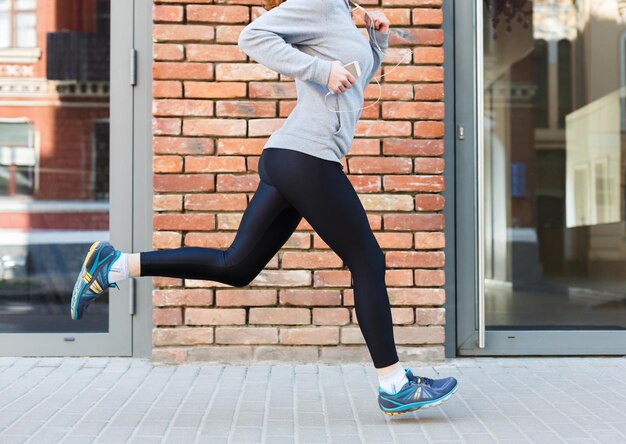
340	78
381	23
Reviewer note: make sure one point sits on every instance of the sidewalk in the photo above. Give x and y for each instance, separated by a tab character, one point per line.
117	400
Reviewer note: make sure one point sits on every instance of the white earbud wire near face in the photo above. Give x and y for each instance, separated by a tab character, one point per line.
380	89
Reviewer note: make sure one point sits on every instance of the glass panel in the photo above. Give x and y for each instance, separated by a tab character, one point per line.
25	30
5	30
25	5
555	236
54	176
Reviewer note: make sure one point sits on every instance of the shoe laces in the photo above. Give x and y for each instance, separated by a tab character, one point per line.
420	380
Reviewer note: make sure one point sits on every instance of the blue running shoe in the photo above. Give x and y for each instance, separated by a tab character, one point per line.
93	278
417	393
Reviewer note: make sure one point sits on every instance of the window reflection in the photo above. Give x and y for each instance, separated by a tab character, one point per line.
54	158
555	238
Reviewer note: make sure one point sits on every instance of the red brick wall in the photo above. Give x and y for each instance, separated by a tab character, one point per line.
213	110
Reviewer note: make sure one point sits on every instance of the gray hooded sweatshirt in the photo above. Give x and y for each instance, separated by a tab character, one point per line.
300	39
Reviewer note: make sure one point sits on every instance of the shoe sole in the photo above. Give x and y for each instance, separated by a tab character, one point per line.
81	276
424	406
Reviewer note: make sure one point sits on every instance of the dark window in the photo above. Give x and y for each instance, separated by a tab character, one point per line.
565	80
541	82
101	161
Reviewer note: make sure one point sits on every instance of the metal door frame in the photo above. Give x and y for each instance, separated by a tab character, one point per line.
130	213
463	271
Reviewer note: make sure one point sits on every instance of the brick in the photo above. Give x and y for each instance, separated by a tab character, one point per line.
183	33
413	147
331	316
429	278
167	164
399	278
352	335
217	13
169	355
427	16
429	202
430	316
167	13
428	165
166	127
428	92
214	127
380	165
167	316
216	202
237	183
223	354
416	296
394	240
243	72
382	128
182	145
429	241
272	90
241	108
389	91
220	241
402	315
187	222
417	74
214	90
283	316
415	259
246	335
311	260
181	336
263	127
215	164
310	335
182	297
427	55
387	202
414	222
167	89
168	52
215	316
228	33
173	107
167	202
423	183
417	36
181	70
183	182
166	239
331	278
413	110
365	183
245	298
214	53
310	298
240	146
418	335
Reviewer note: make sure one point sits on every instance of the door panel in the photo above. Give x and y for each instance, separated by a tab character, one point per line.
65	147
548	238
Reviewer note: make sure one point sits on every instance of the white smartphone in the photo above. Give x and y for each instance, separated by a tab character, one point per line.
354	68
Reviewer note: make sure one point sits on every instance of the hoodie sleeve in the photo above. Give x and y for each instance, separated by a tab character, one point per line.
382	38
270	38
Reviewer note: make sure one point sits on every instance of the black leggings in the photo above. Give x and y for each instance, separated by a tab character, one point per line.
295	185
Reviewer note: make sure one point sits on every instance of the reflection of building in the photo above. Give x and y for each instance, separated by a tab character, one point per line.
570	58
54	111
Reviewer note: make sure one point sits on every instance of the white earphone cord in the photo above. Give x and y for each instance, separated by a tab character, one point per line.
380	88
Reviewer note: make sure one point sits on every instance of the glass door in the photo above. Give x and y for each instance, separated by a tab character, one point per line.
65	141
547	238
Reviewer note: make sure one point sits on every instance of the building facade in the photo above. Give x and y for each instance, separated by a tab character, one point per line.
490	169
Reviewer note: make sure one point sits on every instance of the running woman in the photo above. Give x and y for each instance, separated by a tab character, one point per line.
301	175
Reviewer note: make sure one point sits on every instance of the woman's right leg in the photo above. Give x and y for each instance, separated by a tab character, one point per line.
267	223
